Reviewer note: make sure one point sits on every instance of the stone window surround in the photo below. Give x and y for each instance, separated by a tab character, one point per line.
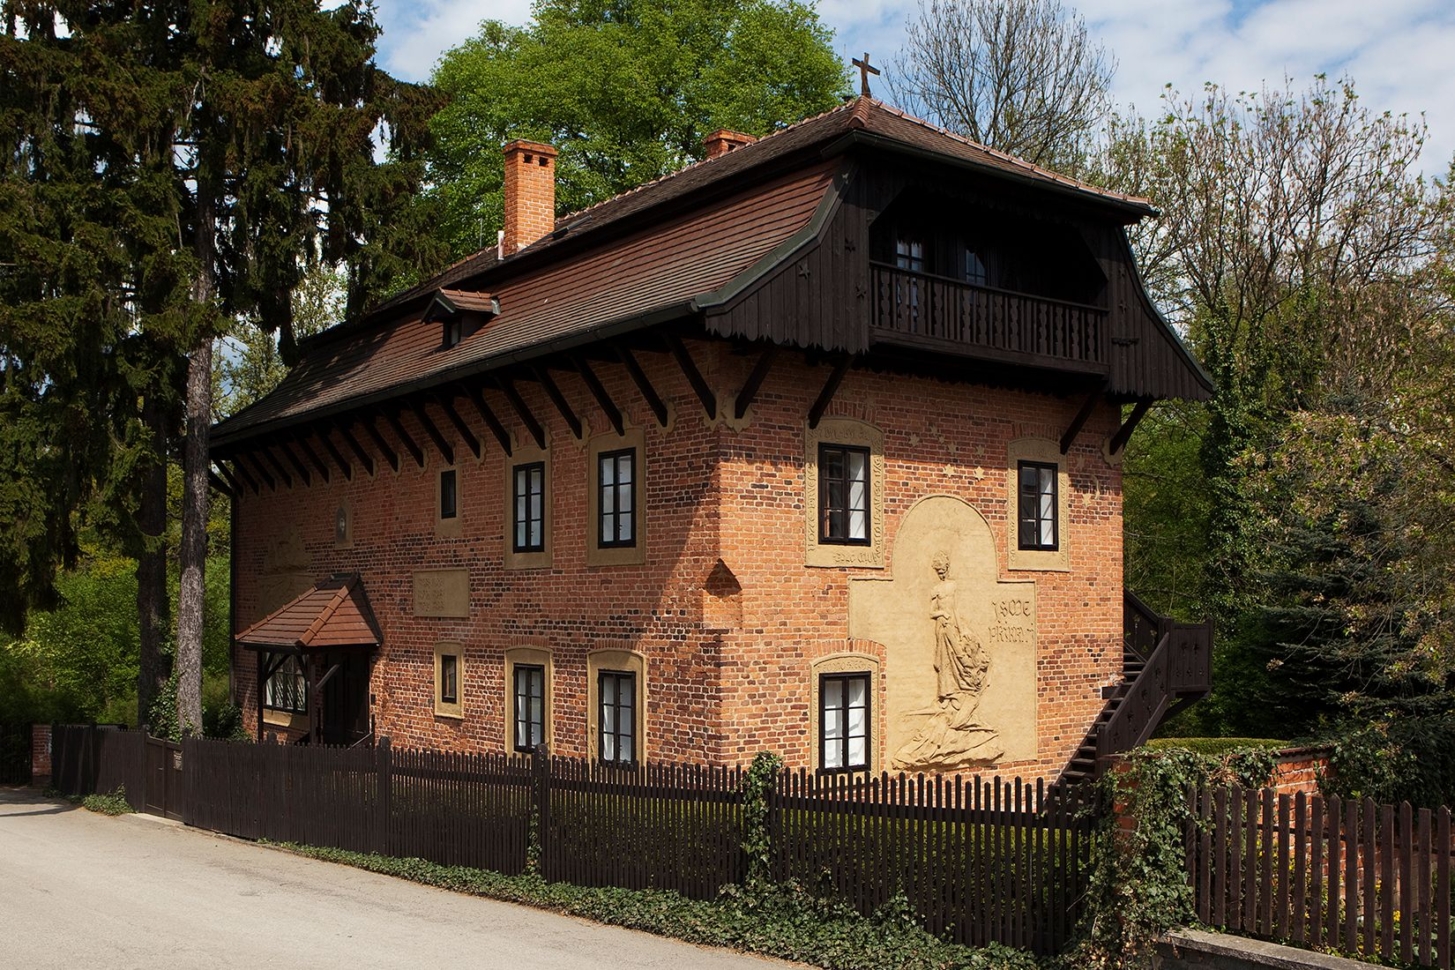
527	455
457	650
636	554
629	661
846	663
853	432
532	656
1045	452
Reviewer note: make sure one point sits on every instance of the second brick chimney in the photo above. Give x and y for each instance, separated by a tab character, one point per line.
722	141
530	194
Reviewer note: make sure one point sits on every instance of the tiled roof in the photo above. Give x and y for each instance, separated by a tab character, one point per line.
335	613
621	268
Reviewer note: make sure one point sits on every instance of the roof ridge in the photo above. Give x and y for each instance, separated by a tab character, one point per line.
345	589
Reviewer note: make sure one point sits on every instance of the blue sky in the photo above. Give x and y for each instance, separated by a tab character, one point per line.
1401	53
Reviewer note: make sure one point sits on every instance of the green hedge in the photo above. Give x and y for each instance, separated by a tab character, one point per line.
1216	747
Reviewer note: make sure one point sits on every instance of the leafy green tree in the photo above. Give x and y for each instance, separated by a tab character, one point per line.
624	89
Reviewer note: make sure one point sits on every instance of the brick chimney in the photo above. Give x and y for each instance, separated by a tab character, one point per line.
722	141
530	194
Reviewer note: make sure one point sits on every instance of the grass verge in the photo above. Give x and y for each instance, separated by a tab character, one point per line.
773	920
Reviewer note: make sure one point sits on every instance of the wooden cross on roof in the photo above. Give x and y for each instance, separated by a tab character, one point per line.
865	69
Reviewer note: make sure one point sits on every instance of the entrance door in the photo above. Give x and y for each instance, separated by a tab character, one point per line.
346	698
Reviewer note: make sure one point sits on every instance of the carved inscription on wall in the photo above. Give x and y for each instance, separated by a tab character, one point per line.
960	645
442	592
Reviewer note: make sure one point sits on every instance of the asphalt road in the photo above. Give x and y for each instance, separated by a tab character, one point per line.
81	890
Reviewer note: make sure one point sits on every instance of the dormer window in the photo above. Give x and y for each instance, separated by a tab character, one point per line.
460	313
454	329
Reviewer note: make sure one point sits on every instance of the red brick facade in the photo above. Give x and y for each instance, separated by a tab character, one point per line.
724	611
530	193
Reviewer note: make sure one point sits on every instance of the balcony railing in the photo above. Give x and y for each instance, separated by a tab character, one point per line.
936	310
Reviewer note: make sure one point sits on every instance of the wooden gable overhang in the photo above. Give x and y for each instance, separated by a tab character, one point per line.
768	248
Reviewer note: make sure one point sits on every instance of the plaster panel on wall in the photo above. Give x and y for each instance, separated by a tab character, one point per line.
960	644
442	592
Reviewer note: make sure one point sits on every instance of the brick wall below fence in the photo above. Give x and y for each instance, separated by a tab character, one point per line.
40	753
1299	770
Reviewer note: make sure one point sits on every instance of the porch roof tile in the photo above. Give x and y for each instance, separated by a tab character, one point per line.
333	613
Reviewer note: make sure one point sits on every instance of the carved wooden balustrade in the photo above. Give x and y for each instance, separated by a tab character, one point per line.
922	308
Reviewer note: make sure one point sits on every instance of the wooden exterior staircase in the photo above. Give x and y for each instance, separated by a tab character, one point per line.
1166	665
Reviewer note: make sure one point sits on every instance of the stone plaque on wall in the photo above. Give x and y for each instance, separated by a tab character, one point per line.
960	644
442	592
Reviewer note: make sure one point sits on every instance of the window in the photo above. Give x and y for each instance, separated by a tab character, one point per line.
617	691
974	268
843	494
454	331
449	680
530	706
449	497
616	483
843	723
286	689
1037	505
529	507
909	253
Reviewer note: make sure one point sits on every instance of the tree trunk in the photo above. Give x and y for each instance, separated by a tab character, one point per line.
151	565
193	552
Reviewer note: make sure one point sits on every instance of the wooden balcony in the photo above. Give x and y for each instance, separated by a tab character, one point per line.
943	314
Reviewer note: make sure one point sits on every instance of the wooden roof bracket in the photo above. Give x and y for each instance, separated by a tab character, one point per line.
248	479
522	411
1082	416
446	450
639	377
608	406
1124	433
218	483
390	455
299	438
283	475
321	433
410	445
755	380
694	376
488	416
285	446
364	457
559	400
830	388
257	467
228	476
447	404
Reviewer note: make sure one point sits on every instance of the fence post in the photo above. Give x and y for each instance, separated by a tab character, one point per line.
538	836
383	806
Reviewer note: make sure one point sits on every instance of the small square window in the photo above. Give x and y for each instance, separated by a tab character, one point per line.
529	507
617	691
530	706
449	496
909	253
843	494
616	512
1037	505
843	722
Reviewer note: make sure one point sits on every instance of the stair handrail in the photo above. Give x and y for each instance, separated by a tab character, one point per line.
1147	698
1134	610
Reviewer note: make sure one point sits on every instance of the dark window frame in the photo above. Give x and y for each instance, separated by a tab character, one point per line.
515	695
825	511
452	510
1028	508
453	332
602	515
449	681
298	692
844	678
515	496
614	730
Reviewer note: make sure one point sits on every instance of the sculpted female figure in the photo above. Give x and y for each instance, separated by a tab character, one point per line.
952	738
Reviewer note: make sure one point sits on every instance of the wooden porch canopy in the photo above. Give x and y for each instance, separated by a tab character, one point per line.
333	614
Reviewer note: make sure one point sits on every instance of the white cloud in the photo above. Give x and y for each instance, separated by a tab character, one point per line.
417	32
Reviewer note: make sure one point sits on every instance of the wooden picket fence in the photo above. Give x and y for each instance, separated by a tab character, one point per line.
976	861
1367	879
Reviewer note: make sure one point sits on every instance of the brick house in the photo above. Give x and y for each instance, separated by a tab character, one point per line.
812	446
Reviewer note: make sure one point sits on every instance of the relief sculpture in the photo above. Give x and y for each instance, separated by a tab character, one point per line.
953	736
